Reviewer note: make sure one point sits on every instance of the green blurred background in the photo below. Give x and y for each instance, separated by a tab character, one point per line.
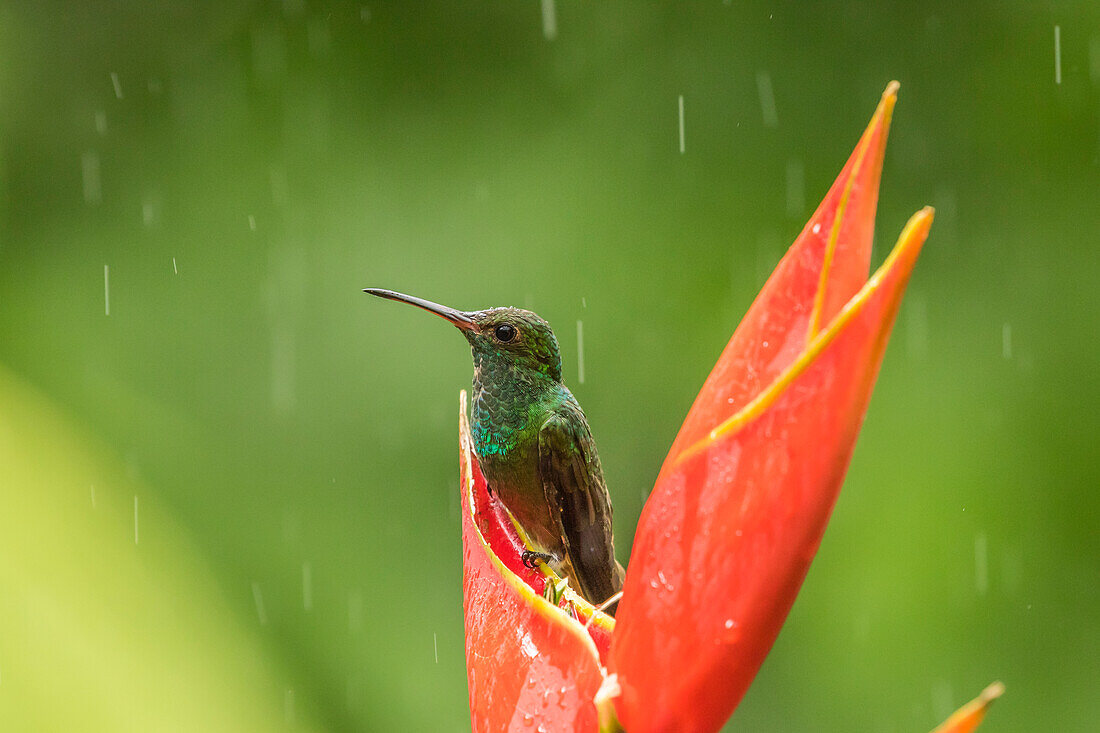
245	168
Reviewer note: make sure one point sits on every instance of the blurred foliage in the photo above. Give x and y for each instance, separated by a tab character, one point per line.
245	168
111	618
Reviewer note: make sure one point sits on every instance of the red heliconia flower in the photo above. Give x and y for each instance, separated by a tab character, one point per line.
735	518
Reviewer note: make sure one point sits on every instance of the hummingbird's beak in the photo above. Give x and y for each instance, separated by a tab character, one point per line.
457	317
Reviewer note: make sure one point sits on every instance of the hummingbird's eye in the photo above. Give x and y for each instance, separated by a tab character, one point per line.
505	332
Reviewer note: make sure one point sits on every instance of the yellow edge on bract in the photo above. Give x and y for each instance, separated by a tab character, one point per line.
883	112
597	617
911	236
968	717
544	607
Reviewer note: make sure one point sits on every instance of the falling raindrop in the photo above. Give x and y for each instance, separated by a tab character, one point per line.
580	352
258	597
89	176
942	699
115	83
1057	54
106	290
288	706
549	20
149	210
681	102
767	99
435	645
101	121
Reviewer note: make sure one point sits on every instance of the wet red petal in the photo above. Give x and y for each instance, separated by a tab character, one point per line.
740	506
528	664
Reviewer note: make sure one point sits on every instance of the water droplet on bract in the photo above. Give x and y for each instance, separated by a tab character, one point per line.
528	719
531	683
731	633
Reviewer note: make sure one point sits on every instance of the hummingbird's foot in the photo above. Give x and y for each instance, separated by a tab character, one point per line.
531	559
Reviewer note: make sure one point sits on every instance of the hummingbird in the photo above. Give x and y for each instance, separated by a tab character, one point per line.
534	445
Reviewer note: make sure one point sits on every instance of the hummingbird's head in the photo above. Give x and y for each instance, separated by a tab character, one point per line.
502	339
513	338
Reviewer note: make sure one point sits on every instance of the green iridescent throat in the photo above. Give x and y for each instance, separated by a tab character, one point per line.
510	397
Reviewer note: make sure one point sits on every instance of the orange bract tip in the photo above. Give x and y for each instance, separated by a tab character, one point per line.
969	716
992	692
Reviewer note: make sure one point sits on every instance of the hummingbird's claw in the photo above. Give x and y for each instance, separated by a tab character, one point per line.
531	559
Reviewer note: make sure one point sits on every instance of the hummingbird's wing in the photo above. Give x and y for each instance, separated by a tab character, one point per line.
573	483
